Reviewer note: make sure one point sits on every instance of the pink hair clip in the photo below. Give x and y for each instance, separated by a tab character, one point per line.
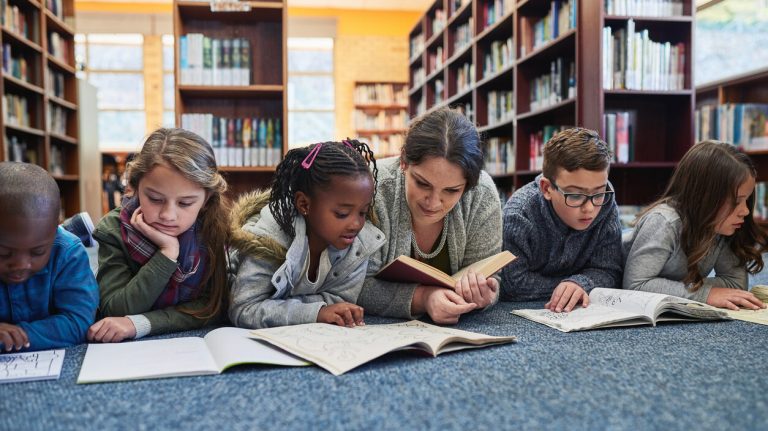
307	163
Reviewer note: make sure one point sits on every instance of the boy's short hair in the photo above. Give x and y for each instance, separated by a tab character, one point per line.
28	190
575	148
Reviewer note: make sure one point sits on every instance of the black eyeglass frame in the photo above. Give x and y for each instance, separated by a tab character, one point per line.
606	195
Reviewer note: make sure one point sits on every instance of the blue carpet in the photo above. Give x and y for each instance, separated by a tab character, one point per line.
674	376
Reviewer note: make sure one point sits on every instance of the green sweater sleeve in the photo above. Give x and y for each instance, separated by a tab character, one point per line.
128	288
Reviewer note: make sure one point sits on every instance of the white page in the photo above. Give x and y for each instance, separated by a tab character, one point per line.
633	301
339	349
187	356
232	346
579	319
29	366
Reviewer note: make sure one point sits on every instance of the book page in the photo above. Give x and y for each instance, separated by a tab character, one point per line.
488	266
232	346
632	301
29	366
596	315
754	316
186	356
339	349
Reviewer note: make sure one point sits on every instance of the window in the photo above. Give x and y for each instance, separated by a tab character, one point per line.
114	64
169	101
311	105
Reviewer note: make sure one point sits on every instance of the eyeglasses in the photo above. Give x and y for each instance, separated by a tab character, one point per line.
576	200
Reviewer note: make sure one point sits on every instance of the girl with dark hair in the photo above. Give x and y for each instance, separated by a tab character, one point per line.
162	254
435	204
303	248
703	222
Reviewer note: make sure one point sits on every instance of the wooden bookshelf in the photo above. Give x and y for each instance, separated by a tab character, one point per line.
40	80
661	114
381	115
748	88
250	94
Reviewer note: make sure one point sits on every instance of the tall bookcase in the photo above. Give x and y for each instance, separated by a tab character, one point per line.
536	66
736	110
39	91
235	88
381	115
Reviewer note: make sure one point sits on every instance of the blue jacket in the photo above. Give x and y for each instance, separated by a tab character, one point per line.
55	306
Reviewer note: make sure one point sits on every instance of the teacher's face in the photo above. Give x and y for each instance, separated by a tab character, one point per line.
432	189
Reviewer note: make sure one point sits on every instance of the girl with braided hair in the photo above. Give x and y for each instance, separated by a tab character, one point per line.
302	249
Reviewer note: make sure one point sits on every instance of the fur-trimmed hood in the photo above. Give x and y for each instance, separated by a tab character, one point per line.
245	214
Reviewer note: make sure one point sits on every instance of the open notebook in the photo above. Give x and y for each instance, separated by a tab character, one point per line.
617	307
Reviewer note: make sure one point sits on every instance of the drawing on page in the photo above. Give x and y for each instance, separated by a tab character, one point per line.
31	364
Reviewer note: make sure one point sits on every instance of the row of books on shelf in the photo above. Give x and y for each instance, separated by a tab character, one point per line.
57	160
16	110
55	82
556	86
536	31
761	201
57	119
16	20
211	61
499	157
58	46
501	56
239	141
15	66
436	59
381	94
743	124
494	10
19	149
465	77
438	21
463	36
416	46
455	5
501	106
632	61
439	87
56	7
419	76
619	130
385	146
658	8
628	214
382	120
536	143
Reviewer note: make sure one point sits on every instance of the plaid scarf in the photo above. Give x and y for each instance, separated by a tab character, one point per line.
185	282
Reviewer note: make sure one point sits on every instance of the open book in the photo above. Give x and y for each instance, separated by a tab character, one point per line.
174	357
339	349
617	307
754	316
30	366
406	269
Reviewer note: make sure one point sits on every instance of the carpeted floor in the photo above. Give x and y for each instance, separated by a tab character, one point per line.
674	376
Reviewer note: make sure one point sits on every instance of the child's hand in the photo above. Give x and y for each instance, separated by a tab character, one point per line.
567	295
342	314
111	330
477	289
168	244
12	336
724	297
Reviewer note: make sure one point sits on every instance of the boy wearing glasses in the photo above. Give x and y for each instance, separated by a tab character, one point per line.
564	226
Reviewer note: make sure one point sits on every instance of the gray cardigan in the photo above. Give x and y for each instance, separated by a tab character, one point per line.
266	293
549	251
474	233
656	262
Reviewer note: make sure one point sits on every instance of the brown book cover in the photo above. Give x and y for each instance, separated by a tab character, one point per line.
406	269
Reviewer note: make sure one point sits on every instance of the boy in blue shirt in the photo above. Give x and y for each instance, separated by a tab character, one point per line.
564	226
48	294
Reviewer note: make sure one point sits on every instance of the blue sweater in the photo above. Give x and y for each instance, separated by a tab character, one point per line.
549	251
56	305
